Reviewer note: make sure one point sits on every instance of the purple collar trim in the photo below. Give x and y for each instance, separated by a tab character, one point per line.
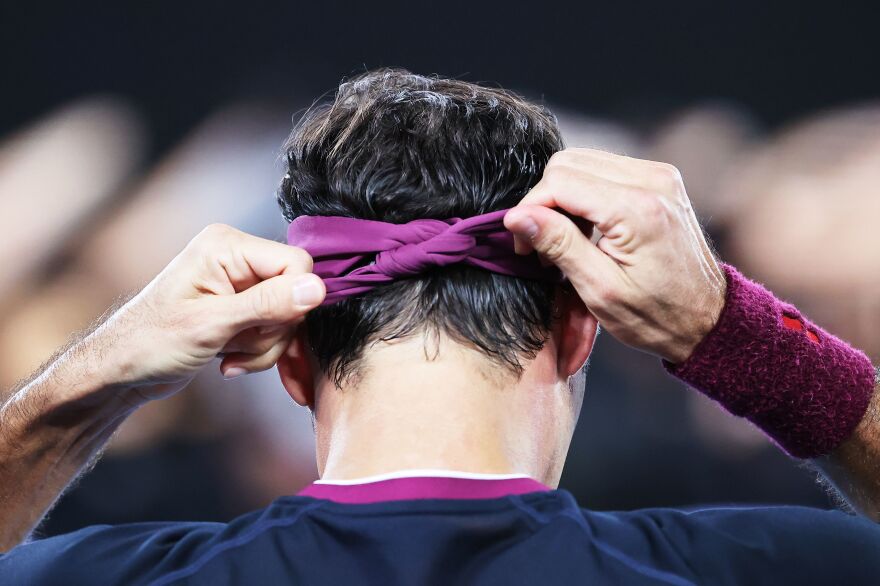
422	487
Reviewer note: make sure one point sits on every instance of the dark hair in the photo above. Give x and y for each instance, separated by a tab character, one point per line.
395	146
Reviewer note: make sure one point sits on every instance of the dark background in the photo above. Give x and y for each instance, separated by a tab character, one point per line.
178	60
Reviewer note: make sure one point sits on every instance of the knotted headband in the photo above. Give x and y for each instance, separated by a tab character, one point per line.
339	246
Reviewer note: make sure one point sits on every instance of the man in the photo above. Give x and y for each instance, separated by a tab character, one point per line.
445	372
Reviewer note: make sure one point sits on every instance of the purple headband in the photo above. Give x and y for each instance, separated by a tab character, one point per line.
339	245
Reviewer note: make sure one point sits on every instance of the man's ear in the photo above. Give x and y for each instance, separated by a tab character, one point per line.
295	369
576	330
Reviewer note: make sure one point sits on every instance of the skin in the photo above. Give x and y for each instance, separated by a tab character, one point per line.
651	281
227	292
802	265
470	415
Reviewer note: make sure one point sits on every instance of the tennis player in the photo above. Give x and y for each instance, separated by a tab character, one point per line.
435	306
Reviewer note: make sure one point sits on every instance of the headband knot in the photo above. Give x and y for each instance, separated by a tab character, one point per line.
441	247
353	255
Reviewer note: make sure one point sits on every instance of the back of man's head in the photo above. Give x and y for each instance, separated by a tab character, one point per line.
395	147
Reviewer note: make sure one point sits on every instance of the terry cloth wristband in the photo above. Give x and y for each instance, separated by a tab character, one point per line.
764	361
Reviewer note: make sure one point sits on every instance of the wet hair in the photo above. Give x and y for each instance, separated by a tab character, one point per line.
395	146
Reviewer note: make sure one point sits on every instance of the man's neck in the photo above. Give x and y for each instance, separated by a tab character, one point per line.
449	413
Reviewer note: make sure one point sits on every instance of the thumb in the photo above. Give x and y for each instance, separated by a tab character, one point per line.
558	239
276	301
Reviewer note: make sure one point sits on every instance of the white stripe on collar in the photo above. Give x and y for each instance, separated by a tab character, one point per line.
422	473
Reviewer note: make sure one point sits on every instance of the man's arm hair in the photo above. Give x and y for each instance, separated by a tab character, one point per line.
216	296
72	340
852	470
53	426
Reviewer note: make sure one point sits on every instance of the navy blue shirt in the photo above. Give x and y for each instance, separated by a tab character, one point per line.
540	537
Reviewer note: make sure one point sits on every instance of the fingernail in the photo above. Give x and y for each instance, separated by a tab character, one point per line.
307	291
527	225
234	372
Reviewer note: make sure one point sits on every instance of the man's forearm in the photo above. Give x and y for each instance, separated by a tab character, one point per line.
50	429
853	469
653	283
810	391
216	297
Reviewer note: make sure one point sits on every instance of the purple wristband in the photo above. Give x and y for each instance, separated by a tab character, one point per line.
764	361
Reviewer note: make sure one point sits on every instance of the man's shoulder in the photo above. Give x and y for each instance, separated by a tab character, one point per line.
140	553
752	539
734	522
782	518
545	536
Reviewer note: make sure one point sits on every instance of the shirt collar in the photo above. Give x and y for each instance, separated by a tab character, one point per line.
422	484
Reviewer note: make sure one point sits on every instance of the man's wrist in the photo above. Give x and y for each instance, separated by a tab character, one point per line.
97	364
703	322
86	382
764	361
50	429
121	355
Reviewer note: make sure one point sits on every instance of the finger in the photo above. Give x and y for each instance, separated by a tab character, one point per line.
248	259
255	340
237	364
559	240
617	168
585	226
597	201
276	301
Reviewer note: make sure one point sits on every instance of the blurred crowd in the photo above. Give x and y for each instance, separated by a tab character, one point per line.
87	218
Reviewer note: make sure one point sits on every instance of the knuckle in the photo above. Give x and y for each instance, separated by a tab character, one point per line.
263	346
651	205
265	360
263	303
304	258
558	173
582	153
216	230
667	174
562	157
210	235
557	244
259	364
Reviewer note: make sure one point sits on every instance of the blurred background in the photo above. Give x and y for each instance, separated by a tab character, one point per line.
127	127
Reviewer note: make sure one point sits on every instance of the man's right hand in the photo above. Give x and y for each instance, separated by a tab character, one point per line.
226	293
651	280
